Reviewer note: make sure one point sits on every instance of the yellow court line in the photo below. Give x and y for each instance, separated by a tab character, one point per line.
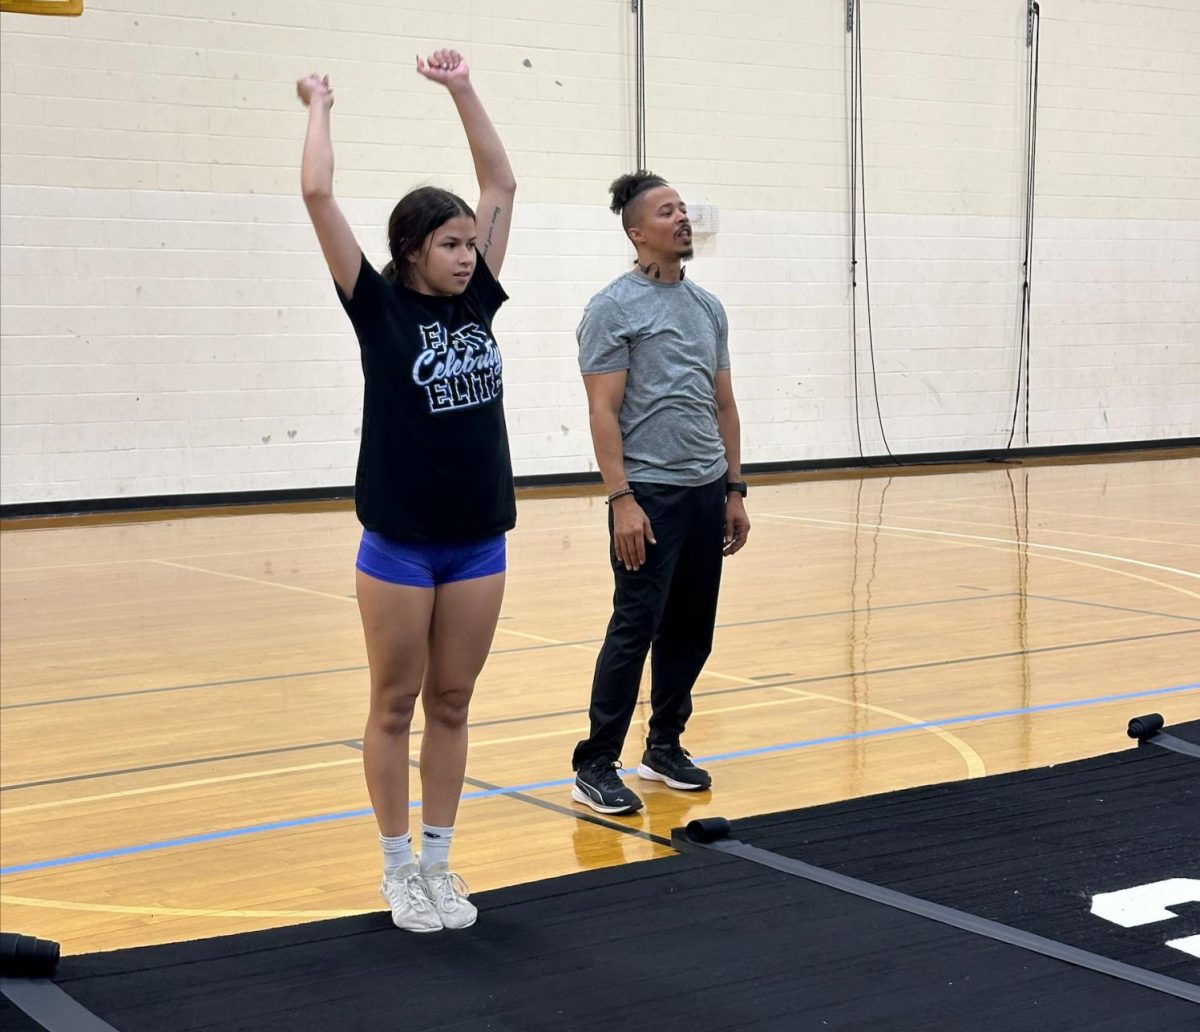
114	908
177	785
974	762
343	598
340	598
1111	487
252	580
575	731
540	638
977	499
975	767
974	522
847	527
981	537
1073	515
982	497
348	547
135	559
227	778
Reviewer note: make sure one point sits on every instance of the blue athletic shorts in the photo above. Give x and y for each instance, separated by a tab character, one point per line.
421	564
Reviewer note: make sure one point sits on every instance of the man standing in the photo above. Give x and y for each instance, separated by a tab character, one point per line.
653	350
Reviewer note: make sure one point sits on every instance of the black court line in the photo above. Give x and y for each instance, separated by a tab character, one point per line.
931	664
50	1007
796	618
101	696
97	775
566	811
947	915
1119	609
873	609
586	641
711	693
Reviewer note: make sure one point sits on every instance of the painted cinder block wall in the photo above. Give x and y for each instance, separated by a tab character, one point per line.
168	326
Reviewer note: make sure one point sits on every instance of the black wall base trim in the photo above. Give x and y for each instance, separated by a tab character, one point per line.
230	499
211	500
1000	455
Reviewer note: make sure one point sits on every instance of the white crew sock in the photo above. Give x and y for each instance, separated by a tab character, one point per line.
435	845
397	851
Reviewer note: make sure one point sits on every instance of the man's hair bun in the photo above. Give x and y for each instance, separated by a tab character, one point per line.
625	188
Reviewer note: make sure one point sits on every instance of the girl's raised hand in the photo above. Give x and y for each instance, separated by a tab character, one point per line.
314	87
444	66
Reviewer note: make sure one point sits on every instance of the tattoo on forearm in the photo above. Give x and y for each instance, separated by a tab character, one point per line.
487	244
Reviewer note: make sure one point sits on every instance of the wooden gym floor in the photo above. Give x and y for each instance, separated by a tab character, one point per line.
182	698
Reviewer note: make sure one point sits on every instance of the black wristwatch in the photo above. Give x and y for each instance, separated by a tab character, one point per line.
736	487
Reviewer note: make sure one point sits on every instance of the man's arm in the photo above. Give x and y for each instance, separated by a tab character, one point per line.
737	523
631	526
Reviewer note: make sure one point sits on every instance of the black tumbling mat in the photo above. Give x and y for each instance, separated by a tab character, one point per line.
706	942
1189	732
1028	850
695	942
13	1019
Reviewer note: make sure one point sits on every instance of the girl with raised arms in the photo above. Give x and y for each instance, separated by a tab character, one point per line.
434	488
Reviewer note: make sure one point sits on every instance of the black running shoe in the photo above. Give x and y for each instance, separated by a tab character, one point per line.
599	786
675	768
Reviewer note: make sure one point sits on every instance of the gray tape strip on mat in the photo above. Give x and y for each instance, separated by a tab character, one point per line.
948	915
52	1008
1166	741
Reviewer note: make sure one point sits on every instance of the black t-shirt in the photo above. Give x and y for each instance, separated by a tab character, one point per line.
433	462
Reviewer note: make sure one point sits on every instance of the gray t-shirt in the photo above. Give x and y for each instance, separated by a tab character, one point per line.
671	338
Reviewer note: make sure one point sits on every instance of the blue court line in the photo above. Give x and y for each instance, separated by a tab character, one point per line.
328	818
926	725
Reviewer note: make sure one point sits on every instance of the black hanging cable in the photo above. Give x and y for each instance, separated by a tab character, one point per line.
1033	42
640	81
1036	48
858	176
854	664
854	222
862	146
858	185
1020	515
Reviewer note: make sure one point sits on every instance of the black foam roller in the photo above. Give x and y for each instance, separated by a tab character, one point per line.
23	956
708	829
1144	727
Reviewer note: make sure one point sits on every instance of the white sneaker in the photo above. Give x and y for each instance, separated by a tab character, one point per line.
449	894
405	892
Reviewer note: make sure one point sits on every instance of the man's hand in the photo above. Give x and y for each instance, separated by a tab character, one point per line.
737	524
314	88
631	532
446	67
